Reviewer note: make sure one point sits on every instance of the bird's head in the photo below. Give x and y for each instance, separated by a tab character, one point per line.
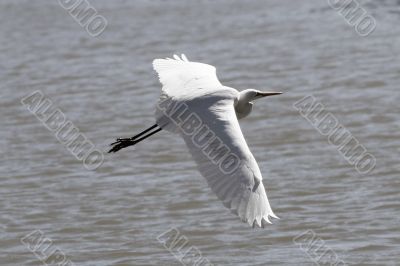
244	103
249	95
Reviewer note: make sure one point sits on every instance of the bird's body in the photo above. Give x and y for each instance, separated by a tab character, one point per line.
194	104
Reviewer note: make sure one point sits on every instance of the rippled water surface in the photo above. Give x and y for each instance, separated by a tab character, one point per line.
107	88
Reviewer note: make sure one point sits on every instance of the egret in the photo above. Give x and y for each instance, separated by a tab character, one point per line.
194	104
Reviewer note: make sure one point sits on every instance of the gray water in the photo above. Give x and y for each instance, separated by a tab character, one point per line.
106	86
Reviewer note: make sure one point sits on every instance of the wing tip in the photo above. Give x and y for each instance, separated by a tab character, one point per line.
184	58
175	57
263	222
161	63
260	222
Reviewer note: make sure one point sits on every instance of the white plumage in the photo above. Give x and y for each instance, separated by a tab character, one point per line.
196	86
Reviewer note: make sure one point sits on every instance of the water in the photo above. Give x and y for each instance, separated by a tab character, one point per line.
106	87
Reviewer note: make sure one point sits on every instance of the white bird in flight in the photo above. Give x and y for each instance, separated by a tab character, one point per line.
194	104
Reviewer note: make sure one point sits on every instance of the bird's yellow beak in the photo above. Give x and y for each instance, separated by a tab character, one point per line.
268	93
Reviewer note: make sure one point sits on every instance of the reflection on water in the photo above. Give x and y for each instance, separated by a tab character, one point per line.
107	88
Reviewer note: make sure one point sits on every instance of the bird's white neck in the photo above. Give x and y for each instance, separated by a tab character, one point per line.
244	105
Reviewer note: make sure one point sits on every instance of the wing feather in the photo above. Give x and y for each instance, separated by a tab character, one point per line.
197	86
184	79
238	190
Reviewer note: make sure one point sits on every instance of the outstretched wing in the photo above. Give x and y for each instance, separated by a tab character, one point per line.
225	161
184	79
202	110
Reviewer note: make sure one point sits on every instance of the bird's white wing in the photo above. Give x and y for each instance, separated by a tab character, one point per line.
225	160
183	79
193	99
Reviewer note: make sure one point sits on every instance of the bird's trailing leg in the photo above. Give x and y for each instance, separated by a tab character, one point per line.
125	142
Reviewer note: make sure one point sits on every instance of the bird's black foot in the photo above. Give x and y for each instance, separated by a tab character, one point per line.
125	142
121	143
